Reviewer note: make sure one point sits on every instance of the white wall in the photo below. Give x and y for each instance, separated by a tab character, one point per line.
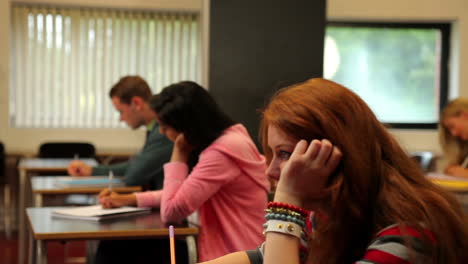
124	140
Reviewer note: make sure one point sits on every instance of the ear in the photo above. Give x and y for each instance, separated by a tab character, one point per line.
137	102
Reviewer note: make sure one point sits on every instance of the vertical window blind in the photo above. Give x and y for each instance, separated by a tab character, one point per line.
64	60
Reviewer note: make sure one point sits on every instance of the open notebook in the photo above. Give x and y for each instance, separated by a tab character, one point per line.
93	181
97	213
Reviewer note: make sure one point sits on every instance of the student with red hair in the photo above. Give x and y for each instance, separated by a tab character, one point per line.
347	192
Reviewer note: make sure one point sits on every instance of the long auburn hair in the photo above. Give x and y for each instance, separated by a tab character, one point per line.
376	183
455	149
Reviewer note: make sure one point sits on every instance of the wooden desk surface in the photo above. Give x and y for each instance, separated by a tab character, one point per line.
49	164
46	227
46	185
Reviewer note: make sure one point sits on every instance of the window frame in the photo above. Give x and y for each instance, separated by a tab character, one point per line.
445	30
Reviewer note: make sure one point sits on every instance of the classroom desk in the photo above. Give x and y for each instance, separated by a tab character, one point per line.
46	228
458	187
44	186
26	167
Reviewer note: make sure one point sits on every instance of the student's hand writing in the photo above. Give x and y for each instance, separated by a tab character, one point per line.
109	199
304	175
457	171
181	149
79	168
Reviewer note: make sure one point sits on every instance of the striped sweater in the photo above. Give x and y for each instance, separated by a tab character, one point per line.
388	247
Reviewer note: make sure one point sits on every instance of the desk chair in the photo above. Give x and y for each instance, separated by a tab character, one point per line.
425	159
6	190
67	150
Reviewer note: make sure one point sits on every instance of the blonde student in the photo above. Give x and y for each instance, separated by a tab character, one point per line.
347	192
453	134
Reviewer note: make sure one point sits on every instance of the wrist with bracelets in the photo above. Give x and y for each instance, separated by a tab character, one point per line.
289	220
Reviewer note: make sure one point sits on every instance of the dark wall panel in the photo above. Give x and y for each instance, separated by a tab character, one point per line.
258	46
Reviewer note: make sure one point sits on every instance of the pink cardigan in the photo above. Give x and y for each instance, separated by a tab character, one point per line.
228	187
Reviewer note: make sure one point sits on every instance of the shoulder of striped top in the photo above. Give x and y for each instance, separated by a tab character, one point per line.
390	247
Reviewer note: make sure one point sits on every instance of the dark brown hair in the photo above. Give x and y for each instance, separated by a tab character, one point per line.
190	109
128	87
376	183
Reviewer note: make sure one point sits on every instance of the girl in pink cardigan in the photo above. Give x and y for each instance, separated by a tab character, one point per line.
215	169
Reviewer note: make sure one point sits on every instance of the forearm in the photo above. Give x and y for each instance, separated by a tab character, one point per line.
282	248
174	205
148	199
233	258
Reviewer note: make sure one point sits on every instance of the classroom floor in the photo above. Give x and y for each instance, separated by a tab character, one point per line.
58	253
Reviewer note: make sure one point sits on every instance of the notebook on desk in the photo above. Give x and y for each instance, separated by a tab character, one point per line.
97	213
94	181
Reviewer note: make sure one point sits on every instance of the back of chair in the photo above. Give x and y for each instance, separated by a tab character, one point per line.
67	150
425	159
2	164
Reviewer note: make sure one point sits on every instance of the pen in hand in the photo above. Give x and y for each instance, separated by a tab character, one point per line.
111	179
77	169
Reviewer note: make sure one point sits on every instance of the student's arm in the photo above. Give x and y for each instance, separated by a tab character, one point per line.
183	193
109	199
281	248
302	182
457	171
233	258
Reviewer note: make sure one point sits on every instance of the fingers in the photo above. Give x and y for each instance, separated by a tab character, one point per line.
323	153
300	148
334	159
106	203
314	149
104	193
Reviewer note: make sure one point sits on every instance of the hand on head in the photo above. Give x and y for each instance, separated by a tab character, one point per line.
181	149
109	199
79	168
306	172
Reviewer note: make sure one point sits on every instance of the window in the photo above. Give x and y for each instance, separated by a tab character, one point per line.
65	60
400	70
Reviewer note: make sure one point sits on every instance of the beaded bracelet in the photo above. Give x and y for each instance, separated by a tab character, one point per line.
283	211
291	207
287	218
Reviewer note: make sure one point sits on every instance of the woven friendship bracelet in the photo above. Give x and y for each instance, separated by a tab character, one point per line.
288	228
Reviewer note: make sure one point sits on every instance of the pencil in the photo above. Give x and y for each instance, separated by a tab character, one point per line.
171	242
